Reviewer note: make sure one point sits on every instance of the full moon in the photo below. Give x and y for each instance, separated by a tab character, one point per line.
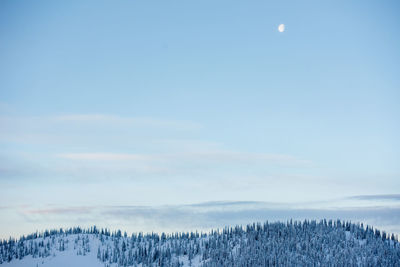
281	28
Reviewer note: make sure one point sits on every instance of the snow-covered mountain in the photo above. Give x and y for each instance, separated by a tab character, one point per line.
308	243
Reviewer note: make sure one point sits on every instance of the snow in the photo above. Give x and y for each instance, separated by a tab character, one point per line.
66	258
348	235
196	261
62	259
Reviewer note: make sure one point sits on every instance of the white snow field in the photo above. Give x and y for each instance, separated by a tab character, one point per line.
66	258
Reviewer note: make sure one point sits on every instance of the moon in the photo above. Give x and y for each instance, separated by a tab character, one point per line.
281	28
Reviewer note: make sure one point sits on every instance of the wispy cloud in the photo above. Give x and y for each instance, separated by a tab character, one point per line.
103	156
82	128
88	118
65	210
91	137
377	197
226	203
95	118
139	121
236	156
216	156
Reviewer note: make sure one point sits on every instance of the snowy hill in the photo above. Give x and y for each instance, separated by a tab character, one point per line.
307	243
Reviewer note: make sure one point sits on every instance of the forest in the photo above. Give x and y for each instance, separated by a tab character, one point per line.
291	243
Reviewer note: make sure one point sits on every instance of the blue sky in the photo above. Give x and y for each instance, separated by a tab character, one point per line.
177	102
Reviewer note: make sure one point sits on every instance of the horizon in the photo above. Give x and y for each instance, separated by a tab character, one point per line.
175	104
207	216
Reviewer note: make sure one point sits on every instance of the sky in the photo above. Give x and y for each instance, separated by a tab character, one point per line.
166	105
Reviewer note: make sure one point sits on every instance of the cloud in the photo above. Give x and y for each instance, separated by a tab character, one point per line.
84	146
58	211
200	167
139	121
224	203
103	156
215	156
236	156
98	118
88	118
377	197
80	129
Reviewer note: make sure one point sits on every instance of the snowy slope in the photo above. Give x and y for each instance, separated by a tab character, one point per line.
78	250
66	258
